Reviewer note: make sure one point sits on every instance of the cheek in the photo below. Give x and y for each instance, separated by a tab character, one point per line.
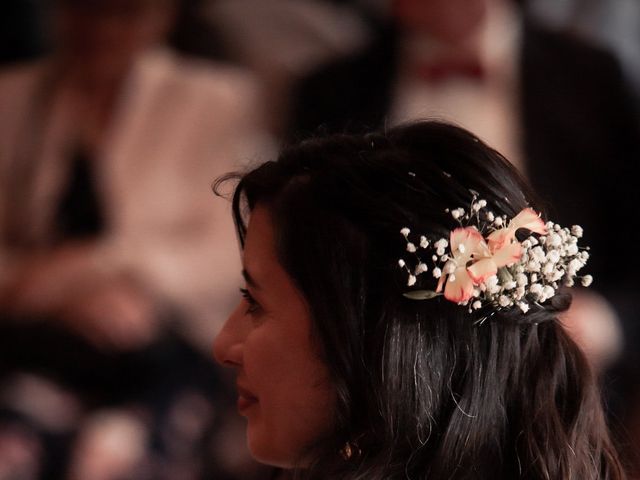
296	401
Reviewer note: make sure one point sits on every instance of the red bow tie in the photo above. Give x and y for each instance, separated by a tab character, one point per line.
438	72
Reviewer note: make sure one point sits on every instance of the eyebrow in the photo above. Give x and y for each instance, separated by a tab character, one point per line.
249	279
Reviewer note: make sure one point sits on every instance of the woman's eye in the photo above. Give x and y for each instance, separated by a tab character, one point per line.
253	305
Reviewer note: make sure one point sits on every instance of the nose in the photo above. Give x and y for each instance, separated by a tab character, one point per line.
228	345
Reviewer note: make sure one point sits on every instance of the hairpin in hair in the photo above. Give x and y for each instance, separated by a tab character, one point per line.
484	263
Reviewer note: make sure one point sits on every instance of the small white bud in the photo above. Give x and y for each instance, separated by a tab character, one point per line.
524	307
437	273
411	281
553	256
587	280
421	268
424	243
504	301
548	291
405	231
476	305
572	249
577	231
498	222
536	289
411	247
401	263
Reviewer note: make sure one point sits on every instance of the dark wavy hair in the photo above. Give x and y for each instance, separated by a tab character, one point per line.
424	390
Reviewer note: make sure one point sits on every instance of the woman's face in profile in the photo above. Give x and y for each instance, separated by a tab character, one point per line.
284	389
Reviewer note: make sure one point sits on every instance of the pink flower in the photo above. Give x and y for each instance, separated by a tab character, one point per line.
467	244
505	236
474	260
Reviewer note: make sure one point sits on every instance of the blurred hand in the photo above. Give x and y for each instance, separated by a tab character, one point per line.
594	326
109	310
43	281
114	315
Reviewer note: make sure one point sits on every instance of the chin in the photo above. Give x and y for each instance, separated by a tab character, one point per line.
266	450
266	455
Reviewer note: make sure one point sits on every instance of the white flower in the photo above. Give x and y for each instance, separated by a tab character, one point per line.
536	289
548	291
520	292
574	266
577	231
476	305
421	268
405	231
441	243
524	307
521	279
457	213
553	256
587	280
492	284
533	266
490	216
534	278
449	267
554	240
401	263
538	254
440	246
504	301
482	203
557	275
510	285
572	249
411	247
498	222
436	272
424	243
434	258
411	281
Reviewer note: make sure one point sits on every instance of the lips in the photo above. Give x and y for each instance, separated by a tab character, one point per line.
246	398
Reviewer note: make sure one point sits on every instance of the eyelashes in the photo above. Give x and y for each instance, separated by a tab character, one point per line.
253	306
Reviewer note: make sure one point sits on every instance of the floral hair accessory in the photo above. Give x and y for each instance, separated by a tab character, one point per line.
483	263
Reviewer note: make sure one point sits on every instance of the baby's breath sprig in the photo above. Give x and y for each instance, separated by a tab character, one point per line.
483	264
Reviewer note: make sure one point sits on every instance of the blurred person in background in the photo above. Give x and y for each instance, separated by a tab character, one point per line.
557	107
115	263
